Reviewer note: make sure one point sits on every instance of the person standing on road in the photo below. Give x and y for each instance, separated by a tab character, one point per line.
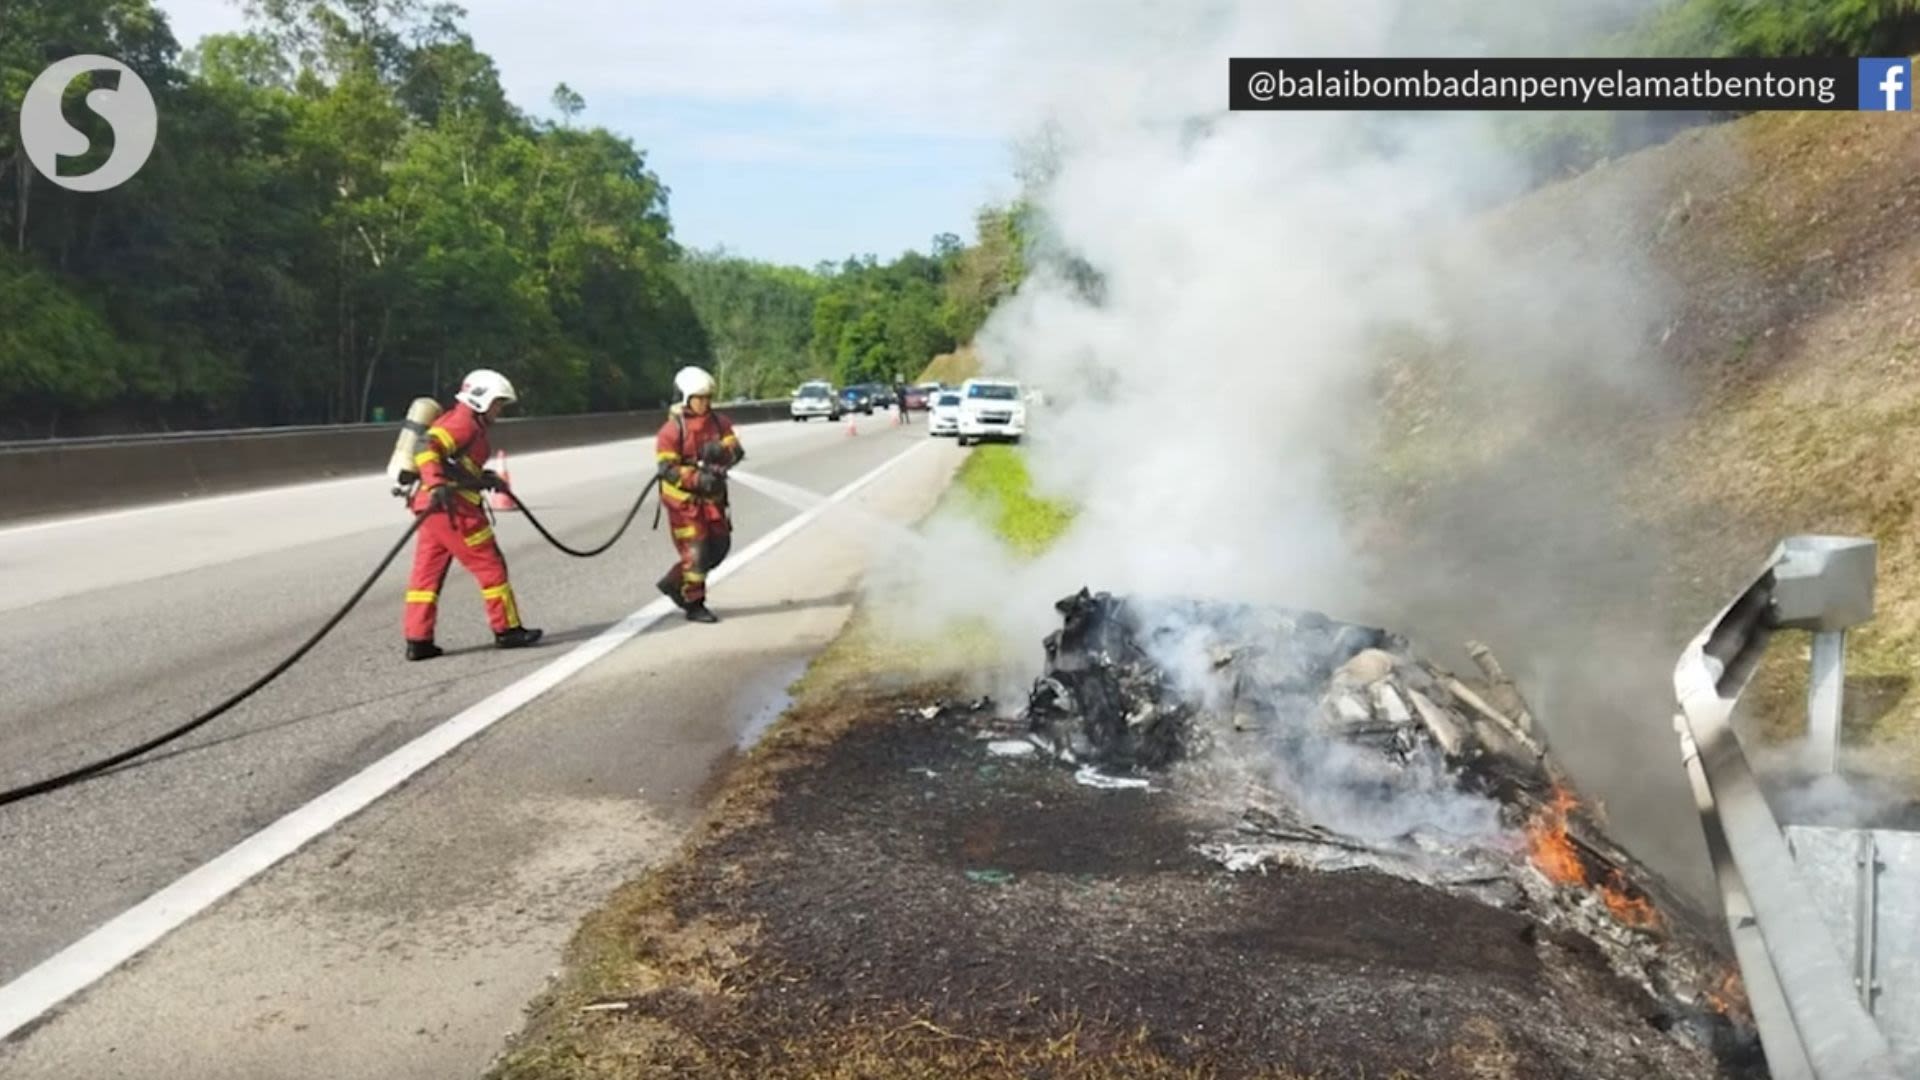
694	450
454	521
900	402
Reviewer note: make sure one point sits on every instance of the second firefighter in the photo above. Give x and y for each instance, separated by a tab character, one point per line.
694	450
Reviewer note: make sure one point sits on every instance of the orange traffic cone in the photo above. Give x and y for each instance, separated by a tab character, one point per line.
852	428
500	500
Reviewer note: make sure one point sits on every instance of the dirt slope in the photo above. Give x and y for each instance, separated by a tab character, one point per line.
1602	516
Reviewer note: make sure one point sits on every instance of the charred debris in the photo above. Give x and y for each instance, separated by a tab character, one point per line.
1327	746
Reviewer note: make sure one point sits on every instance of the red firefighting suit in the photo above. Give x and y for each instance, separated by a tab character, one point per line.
702	524
462	533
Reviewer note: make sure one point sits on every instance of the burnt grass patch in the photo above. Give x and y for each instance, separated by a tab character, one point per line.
878	895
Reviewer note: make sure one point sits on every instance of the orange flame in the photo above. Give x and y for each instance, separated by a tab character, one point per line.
1729	998
1630	911
1547	841
1553	852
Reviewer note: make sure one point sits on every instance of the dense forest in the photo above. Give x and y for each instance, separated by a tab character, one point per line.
344	211
773	326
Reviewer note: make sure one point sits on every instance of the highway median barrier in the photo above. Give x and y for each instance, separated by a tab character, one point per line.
70	476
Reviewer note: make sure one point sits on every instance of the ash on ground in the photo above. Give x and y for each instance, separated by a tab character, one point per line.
1330	747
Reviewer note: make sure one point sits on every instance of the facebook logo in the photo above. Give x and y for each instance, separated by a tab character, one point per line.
1886	85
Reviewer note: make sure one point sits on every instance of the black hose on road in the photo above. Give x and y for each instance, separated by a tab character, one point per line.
612	540
95	768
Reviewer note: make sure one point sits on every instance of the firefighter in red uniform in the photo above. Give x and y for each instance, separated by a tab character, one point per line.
695	448
455	525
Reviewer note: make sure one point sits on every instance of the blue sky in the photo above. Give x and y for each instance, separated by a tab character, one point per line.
792	132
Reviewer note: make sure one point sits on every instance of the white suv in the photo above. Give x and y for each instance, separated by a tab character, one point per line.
991	409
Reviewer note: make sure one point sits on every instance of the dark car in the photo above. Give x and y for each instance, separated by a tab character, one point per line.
858	399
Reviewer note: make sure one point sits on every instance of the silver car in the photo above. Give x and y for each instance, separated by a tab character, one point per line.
943	416
814	399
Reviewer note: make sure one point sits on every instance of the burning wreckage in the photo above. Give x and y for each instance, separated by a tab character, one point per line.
1334	748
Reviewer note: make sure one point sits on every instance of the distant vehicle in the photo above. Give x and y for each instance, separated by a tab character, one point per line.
815	399
858	398
944	417
991	409
916	397
882	394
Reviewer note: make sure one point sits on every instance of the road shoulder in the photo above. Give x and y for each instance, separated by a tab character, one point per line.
405	943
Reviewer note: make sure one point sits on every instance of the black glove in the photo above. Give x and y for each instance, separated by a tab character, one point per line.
707	482
490	481
440	497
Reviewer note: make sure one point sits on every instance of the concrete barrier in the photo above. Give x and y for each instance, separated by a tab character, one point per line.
75	476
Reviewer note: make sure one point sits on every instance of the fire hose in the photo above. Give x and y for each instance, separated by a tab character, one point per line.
612	540
95	768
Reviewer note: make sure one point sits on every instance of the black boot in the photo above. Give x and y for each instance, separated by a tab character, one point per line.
671	590
423	650
699	613
517	638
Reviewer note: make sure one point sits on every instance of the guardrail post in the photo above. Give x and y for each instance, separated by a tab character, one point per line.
1824	584
1825	689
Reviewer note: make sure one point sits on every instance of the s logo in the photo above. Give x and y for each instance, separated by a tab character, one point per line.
129	110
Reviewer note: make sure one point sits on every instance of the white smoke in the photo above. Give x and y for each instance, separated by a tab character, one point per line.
1210	398
1356	790
1200	407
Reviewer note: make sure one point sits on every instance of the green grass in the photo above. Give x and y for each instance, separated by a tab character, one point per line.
995	484
993	487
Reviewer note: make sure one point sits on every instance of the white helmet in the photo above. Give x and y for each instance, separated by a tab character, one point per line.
693	382
482	387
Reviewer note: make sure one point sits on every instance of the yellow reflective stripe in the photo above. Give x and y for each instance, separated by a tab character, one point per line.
504	594
417	596
693	576
480	537
425	456
687	533
442	436
667	455
469	464
731	440
668	491
473	497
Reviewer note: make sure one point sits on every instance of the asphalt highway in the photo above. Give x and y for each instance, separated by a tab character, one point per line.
404	941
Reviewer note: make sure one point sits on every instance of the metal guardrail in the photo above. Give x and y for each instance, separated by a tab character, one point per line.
1811	1019
292	430
75	475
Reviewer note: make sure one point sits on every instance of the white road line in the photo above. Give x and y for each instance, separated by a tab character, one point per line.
79	965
